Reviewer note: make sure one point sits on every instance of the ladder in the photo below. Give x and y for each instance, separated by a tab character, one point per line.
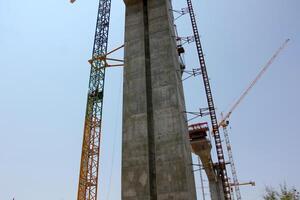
211	107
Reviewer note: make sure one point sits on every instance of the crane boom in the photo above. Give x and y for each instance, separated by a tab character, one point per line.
89	165
259	75
224	121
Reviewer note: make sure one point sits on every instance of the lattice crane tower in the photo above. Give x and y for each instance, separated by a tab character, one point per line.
156	154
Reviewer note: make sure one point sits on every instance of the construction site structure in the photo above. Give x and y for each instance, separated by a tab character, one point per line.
201	146
225	119
89	165
222	172
259	75
156	153
156	156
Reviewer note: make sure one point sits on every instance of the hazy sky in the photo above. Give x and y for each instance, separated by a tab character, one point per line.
44	48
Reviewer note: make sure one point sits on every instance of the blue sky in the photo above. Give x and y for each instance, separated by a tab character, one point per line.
44	48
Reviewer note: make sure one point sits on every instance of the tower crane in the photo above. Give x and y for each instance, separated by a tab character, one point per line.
90	155
260	74
225	119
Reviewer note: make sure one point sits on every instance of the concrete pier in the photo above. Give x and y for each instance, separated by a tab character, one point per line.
156	154
202	148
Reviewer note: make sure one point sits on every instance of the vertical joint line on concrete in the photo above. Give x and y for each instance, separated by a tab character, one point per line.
150	122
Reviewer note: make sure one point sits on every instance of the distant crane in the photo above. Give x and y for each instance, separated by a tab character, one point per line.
225	120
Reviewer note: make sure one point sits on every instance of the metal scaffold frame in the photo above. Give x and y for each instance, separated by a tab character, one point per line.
89	166
211	107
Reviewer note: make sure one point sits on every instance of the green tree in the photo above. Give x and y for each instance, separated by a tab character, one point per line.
271	194
284	193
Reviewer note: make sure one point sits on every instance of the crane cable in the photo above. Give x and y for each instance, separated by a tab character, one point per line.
114	139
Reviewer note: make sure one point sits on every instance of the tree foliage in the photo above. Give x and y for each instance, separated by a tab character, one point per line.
284	193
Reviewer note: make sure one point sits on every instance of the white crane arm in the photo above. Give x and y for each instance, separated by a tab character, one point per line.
264	69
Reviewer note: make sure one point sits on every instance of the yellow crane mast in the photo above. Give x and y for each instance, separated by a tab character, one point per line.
90	155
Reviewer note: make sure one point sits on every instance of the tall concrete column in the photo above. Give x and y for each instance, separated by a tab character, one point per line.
156	154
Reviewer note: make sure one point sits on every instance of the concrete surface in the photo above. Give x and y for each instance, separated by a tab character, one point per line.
156	154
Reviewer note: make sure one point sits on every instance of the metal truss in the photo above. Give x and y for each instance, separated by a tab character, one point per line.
202	112
211	107
89	166
191	73
186	40
180	13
